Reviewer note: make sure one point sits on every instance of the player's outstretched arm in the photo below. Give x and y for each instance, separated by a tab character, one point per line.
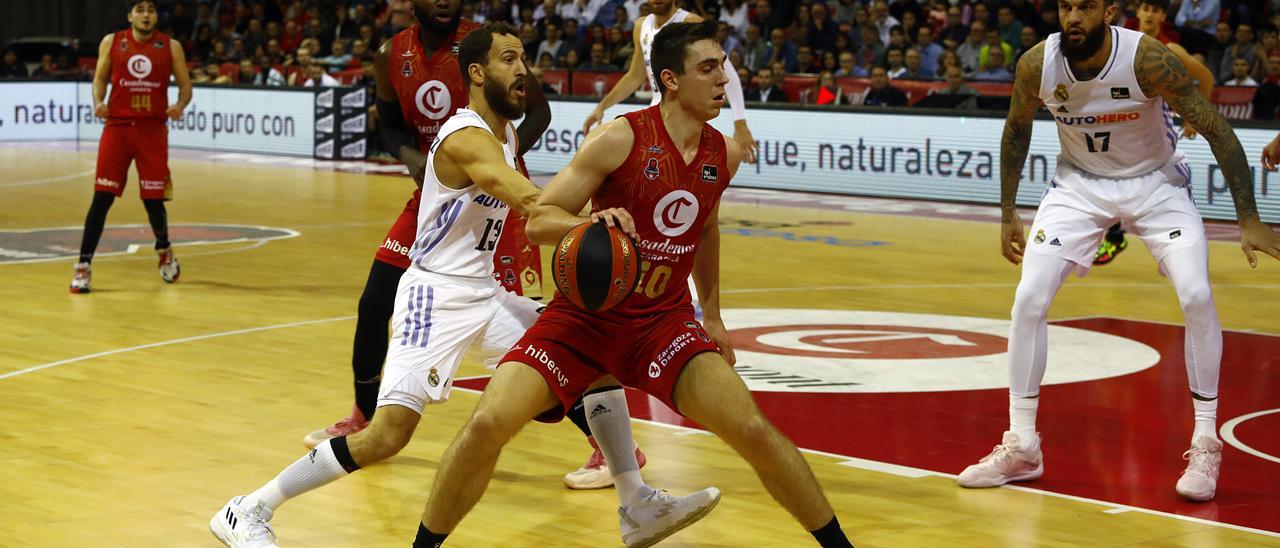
473	154
1202	76
393	131
557	209
183	76
537	112
101	74
627	85
1160	72
1014	145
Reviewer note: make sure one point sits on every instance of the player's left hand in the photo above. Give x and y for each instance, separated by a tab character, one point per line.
174	112
742	134
719	335
1257	236
1271	154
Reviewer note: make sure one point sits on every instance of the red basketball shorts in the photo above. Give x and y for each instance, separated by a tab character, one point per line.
143	141
517	264
572	349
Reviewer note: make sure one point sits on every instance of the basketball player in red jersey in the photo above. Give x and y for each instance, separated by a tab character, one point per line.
419	86
138	62
1151	15
658	175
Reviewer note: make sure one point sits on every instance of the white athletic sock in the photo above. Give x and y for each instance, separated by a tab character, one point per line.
611	426
1022	419
317	468
1206	418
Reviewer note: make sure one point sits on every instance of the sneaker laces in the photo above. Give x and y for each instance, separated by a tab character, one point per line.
1198	460
257	528
595	461
1001	453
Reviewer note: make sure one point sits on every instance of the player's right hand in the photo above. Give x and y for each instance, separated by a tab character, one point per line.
1013	240
1271	154
101	110
618	218
592	119
1256	236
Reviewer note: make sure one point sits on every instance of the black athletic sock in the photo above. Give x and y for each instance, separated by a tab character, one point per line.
369	349
94	223
159	221
831	536
427	539
578	414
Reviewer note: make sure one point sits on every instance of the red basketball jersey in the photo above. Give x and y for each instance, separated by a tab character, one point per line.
429	86
670	201
139	77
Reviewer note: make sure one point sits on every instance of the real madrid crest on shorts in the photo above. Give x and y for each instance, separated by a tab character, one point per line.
433	378
1060	93
1040	236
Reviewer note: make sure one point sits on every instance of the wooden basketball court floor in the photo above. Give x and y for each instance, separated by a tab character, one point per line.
131	414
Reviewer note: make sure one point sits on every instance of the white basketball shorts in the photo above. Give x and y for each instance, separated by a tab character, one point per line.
436	319
1078	207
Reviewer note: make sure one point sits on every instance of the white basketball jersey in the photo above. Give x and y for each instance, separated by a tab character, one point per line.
648	29
1106	125
458	228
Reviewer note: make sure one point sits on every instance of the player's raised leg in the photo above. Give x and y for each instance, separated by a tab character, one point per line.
711	393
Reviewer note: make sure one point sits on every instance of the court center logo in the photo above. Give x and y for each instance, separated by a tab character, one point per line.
433	100
139	66
675	213
802	350
61	243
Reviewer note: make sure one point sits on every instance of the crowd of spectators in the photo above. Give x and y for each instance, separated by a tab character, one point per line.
322	42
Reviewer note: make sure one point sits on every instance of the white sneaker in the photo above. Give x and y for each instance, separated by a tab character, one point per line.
1199	481
80	280
1007	462
240	527
660	515
169	269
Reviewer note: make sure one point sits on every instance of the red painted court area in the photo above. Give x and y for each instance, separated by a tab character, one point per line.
1117	439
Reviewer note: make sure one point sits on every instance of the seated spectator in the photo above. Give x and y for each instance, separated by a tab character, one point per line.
367	76
828	93
359	53
912	69
894	66
10	67
994	42
337	58
782	50
267	74
47	68
881	94
995	70
552	45
955	32
728	41
247	72
1243	48
929	52
805	61
768	90
1272	75
598	61
1026	41
571	60
755	51
872	52
621	46
956	86
1240	74
849	67
949	59
1010	28
829	62
970	51
317	77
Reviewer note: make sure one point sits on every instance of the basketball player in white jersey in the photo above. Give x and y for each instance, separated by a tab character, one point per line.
1110	91
448	298
663	13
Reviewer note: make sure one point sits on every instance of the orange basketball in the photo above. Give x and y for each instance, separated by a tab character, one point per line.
595	266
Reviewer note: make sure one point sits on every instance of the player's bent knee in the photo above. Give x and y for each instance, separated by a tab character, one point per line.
1197	296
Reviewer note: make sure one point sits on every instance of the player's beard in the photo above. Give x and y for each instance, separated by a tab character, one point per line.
499	98
428	22
1092	42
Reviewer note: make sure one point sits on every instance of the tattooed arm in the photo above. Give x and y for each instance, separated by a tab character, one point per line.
1160	72
1013	149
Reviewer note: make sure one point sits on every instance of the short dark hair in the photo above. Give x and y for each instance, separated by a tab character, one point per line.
1162	5
672	43
474	49
134	3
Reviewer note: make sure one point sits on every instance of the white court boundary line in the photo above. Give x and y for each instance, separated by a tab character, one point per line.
853	462
259	242
1228	432
33	182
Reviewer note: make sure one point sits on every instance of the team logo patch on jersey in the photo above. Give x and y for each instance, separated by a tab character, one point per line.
54	244
1055	242
454	48
1060	93
433	100
1175	234
433	378
139	66
675	213
1063	109
709	174
1040	236
1119	93
651	169
507	259
407	69
691	325
655	149
158	44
